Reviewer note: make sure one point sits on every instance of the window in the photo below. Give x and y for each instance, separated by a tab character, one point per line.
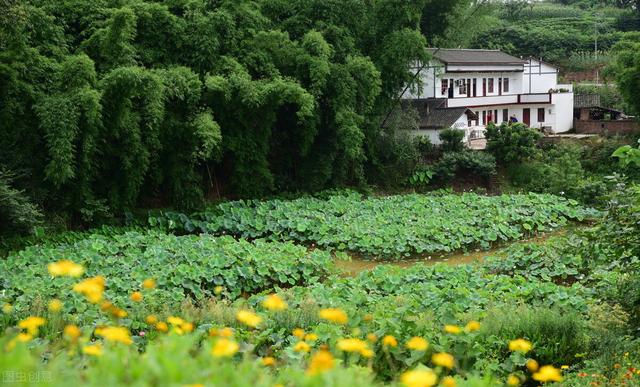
444	86
541	115
484	117
463	86
505	115
505	85
478	120
491	85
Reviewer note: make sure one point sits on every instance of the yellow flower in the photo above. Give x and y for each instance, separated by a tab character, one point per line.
548	373
65	268
55	305
248	318
564	367
162	326
175	321
32	324
91	288
24	337
443	359
114	310
268	361
417	344
226	332
472	326
311	337
136	297
352	345
7	308
368	353
218	289
419	378
453	329
520	345
335	315
513	380
372	337
72	332
299	333
301	346
151	319
532	365
389	341
92	350
224	348
187	327
274	302
448	382
115	334
149	283
321	361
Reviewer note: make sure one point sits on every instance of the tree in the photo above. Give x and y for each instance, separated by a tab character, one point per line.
511	142
625	69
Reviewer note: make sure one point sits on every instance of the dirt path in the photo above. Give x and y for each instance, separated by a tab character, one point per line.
359	264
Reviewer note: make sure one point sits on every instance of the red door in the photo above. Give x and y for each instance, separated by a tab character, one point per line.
526	116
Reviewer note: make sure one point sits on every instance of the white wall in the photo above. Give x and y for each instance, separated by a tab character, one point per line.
539	77
434	134
563	104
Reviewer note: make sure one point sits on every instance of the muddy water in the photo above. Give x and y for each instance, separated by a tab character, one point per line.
358	264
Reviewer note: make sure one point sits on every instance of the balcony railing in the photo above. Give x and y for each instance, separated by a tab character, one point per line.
508	99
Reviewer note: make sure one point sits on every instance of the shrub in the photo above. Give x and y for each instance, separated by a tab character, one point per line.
473	163
18	214
511	142
397	157
452	140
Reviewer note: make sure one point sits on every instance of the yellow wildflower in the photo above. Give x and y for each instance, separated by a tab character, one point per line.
532	365
419	378
92	350
248	318
136	296
299	333
72	332
55	305
32	324
301	346
472	326
175	321
453	329
226	332
548	373
24	337
389	341
321	361
513	380
151	319
218	289
268	361
274	302
149	283
7	308
65	268
115	334
91	288
448	382
372	337
564	367
520	345
352	345
443	359
368	353
367	317
334	315
187	327
310	337
224	348
417	344
162	326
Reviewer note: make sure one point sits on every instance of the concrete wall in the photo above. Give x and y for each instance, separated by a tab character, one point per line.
539	77
563	111
607	127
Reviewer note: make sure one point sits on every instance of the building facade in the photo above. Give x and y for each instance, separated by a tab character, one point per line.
491	86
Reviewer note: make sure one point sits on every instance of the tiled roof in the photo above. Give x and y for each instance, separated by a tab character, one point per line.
433	113
586	101
470	56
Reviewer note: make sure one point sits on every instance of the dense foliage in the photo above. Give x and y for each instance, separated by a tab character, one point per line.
385	227
511	142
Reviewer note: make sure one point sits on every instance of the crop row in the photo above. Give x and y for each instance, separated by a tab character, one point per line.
385	227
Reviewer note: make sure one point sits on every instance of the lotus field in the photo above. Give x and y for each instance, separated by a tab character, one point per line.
249	294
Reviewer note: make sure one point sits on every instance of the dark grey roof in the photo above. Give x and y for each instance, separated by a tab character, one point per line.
433	112
470	56
586	101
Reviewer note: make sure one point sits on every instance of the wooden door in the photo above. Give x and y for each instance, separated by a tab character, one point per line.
484	87
526	116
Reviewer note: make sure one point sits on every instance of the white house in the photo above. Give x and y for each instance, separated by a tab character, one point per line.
467	89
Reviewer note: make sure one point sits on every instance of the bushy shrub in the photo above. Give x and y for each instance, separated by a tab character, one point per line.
18	214
511	142
559	337
469	162
451	140
397	157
